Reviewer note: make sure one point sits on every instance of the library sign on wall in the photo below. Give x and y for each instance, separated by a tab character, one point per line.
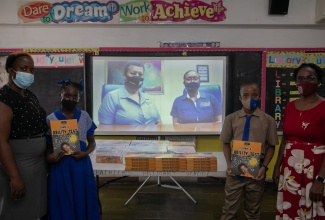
118	12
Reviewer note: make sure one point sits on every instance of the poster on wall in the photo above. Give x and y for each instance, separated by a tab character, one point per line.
122	11
3	72
281	87
176	44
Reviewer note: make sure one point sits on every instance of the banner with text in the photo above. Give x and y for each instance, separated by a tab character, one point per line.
58	60
122	11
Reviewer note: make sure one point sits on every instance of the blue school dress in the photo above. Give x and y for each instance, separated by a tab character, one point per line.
72	189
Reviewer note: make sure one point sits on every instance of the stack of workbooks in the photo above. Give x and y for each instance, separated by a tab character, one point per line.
181	143
181	149
181	139
149	149
149	143
140	162
170	162
201	162
155	155
147	146
111	151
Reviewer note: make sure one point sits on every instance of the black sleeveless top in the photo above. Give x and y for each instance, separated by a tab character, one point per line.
29	118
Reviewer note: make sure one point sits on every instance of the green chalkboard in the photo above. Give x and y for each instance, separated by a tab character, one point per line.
45	86
47	89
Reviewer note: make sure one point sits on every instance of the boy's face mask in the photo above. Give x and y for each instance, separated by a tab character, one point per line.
251	103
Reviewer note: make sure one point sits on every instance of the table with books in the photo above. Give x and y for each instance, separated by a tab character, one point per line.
153	158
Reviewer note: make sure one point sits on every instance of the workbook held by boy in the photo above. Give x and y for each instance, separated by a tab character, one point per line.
245	158
65	136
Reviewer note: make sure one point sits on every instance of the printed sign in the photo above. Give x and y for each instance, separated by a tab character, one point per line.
58	60
139	11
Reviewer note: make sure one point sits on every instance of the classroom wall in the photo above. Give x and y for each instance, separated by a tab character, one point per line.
247	25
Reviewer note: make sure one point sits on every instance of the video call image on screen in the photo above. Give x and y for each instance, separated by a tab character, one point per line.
165	104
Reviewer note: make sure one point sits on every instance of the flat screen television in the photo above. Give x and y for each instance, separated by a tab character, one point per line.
163	83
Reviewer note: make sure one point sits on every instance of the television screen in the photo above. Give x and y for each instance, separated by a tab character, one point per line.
158	95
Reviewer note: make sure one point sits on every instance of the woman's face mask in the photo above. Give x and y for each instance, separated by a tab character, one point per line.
23	80
306	88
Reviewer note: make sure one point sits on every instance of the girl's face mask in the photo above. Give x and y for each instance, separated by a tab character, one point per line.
68	104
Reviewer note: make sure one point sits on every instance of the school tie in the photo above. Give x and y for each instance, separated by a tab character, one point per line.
246	128
245	137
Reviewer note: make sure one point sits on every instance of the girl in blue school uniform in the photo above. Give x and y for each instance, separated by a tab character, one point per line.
72	188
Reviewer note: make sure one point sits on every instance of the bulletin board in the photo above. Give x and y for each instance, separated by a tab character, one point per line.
47	89
51	66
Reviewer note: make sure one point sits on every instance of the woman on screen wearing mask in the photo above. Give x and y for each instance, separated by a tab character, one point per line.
302	150
195	106
128	105
22	144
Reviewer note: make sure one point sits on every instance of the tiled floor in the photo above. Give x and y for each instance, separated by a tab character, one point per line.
167	203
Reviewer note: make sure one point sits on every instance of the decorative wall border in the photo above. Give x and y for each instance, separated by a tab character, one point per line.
94	51
10	50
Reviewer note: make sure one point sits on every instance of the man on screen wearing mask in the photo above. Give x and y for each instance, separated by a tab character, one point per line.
195	106
249	124
128	105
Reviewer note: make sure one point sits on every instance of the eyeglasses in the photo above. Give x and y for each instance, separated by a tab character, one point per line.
309	78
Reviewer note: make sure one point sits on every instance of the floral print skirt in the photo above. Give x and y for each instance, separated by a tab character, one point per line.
301	163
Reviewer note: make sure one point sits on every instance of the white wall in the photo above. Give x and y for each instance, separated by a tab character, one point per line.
247	25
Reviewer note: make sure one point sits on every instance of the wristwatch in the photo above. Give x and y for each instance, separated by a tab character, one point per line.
320	179
265	167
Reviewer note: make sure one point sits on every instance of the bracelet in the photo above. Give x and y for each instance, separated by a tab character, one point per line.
265	167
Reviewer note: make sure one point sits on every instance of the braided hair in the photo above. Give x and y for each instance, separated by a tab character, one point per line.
67	83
